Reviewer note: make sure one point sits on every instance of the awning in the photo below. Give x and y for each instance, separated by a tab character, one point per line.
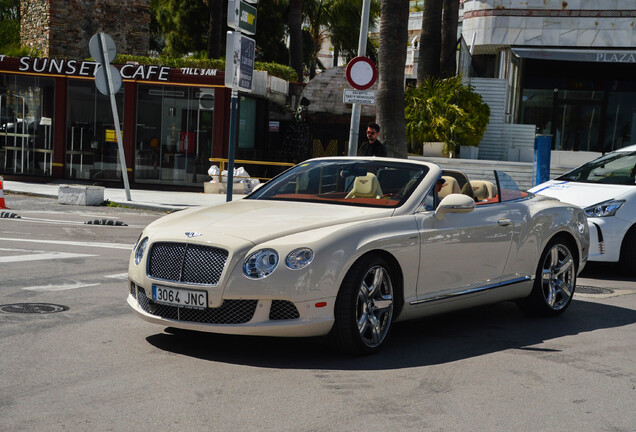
577	55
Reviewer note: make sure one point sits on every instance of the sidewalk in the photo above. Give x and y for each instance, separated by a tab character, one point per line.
141	199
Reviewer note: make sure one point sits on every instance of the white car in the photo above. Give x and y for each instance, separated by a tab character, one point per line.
347	246
606	189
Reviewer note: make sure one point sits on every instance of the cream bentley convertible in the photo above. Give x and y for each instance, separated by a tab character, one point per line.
347	246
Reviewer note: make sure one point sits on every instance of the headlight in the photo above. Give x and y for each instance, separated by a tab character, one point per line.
604	209
299	258
141	250
260	264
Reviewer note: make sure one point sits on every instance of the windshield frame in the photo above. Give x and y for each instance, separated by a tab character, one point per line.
342	171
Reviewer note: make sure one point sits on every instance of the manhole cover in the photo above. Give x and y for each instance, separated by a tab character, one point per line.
592	290
33	308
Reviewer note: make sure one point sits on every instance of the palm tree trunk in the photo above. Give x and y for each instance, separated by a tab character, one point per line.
295	37
448	58
430	40
392	58
215	31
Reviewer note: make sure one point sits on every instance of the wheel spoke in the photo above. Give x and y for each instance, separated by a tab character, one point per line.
378	277
554	257
363	322
564	288
551	295
375	328
384	303
565	266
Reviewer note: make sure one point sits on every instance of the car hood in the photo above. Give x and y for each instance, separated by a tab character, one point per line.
257	221
581	194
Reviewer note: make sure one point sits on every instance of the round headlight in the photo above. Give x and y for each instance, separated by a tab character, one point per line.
260	264
299	258
141	250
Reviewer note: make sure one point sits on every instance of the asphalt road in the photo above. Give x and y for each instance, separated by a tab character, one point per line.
95	366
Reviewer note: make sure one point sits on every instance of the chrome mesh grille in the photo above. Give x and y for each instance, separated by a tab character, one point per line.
283	310
133	292
184	262
230	312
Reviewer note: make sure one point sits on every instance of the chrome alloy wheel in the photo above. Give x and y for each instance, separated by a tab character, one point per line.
558	277
374	306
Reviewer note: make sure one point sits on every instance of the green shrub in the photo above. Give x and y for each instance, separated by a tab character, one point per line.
444	110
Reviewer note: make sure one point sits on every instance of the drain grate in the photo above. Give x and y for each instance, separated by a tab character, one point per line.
584	289
33	308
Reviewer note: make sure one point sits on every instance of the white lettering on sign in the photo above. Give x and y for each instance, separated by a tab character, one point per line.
197	71
2	56
82	68
359	96
616	58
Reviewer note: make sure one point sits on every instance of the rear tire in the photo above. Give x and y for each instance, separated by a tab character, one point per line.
364	307
554	282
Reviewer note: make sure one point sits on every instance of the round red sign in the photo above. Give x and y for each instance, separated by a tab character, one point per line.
361	73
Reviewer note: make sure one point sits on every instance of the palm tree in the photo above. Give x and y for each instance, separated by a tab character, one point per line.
448	61
344	28
296	37
391	59
430	40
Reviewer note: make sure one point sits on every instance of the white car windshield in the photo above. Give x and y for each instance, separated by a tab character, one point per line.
372	183
614	168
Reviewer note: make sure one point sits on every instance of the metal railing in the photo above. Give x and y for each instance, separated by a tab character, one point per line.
222	162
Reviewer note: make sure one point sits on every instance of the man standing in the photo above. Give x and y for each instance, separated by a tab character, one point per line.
372	146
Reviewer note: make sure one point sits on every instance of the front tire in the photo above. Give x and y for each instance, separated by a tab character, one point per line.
628	253
364	307
554	282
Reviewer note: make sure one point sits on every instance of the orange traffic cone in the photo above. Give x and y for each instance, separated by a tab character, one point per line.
2	204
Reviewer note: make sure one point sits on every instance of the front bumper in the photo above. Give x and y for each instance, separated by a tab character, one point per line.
257	317
606	237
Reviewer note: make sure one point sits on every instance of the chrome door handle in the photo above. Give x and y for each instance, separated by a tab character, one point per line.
504	222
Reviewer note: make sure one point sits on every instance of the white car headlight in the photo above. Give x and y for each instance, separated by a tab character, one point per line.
260	263
299	258
141	250
604	209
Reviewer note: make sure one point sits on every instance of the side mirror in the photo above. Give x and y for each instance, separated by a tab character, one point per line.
454	203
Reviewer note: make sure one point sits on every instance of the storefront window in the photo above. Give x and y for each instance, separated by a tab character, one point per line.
91	143
247	123
174	134
26	124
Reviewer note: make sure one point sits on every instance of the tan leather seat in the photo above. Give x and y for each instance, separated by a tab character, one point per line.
450	186
483	189
366	186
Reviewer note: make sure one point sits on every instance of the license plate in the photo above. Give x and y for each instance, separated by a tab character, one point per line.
193	299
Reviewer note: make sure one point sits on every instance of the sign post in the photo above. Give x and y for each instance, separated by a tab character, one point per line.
362	49
108	81
239	69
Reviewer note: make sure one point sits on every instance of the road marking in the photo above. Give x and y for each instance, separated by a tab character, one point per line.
75	285
43	256
72	243
122	276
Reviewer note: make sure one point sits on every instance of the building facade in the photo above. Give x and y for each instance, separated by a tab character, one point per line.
569	67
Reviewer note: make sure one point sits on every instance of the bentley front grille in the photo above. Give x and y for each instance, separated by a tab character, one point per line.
230	311
184	262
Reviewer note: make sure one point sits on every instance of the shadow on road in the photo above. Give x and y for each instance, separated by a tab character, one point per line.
429	341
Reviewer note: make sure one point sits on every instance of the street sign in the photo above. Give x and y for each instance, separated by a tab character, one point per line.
103	49
359	96
361	73
239	61
95	48
241	16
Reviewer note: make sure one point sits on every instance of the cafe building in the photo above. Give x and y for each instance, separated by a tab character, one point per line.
54	123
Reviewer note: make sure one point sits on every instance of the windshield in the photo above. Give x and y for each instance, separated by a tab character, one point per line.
346	182
614	168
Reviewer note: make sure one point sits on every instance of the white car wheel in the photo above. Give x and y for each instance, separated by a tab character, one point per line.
555	280
364	307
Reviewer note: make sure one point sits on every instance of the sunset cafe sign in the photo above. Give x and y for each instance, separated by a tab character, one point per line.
80	68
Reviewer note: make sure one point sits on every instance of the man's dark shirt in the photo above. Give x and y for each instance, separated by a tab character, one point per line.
372	149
